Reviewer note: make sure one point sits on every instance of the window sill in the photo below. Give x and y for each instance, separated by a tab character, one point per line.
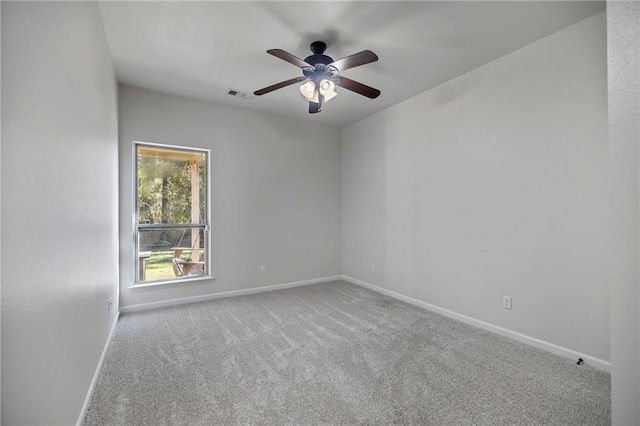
169	282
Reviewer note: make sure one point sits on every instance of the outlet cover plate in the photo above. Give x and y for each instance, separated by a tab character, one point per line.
506	302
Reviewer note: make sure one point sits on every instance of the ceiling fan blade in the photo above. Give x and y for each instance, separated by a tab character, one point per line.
286	56
314	108
355	60
279	86
359	88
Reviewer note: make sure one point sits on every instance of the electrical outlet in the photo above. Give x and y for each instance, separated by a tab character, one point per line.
373	268
506	302
263	269
109	305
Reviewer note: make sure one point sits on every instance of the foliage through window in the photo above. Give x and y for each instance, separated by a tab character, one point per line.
172	229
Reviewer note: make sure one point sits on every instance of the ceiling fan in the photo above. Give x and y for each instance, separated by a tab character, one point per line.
320	75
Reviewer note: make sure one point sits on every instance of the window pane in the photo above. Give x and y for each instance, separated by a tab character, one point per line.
171	254
171	196
171	185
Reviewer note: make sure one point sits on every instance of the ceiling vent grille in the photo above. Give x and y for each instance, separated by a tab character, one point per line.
239	94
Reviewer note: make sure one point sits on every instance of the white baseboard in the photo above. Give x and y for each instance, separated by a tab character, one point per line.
211	296
96	375
532	341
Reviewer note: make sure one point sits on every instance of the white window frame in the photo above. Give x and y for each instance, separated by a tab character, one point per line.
208	275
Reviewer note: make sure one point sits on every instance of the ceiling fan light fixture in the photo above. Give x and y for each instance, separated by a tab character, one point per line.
328	89
308	91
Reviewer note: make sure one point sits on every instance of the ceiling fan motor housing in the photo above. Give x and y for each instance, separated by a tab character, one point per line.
318	57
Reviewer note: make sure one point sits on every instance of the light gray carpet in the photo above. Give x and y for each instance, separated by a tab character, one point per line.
332	353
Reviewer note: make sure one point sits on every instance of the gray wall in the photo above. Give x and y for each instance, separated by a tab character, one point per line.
623	35
59	190
493	184
275	192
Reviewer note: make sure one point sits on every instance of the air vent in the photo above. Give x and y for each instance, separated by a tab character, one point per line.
239	94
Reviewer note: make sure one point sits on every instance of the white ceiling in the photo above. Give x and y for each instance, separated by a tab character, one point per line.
201	49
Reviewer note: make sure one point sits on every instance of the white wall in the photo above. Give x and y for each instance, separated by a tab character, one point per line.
0	219
59	217
275	192
493	184
623	37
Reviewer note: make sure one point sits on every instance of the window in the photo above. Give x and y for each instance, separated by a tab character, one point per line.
172	213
